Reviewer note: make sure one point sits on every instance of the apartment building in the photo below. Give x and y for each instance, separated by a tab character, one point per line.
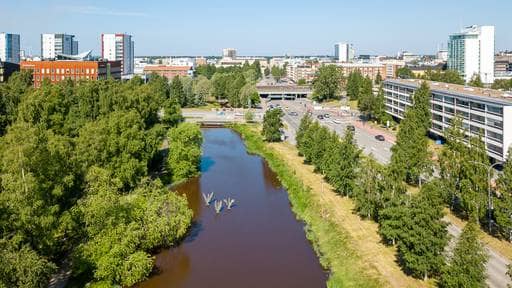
53	45
344	52
485	112
229	53
6	70
370	70
56	71
471	52
10	48
119	47
306	72
503	66
169	71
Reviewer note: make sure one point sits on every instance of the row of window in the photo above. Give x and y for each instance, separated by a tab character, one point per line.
66	71
53	77
475	130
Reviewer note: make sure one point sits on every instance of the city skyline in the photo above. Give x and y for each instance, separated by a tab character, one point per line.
263	28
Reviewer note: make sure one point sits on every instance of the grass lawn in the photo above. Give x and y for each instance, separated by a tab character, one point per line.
348	246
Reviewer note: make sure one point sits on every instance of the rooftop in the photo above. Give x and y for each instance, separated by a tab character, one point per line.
283	88
458	89
166	68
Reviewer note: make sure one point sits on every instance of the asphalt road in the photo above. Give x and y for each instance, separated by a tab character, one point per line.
496	265
364	138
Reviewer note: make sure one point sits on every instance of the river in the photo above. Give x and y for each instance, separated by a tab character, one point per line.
258	243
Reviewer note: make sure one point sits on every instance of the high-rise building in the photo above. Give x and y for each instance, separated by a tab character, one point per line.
344	52
471	52
229	53
120	47
53	45
9	48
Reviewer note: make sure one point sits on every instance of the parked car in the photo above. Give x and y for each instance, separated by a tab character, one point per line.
320	117
293	113
380	137
351	127
326	115
336	121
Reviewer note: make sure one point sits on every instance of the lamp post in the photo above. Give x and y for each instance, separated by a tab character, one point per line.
489	196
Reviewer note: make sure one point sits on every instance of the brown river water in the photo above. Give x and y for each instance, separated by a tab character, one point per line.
258	243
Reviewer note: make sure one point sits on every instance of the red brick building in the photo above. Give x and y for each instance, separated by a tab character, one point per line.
168	71
56	71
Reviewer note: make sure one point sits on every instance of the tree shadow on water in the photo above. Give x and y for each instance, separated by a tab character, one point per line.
206	163
195	230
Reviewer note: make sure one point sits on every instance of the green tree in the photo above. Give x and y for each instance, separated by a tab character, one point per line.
177	92
404	73
305	122
466	268
266	71
184	155
411	157
503	209
327	83
378	79
424	235
249	95
476	81
366	98
354	82
369	189
301	82
342	169
278	73
272	125
202	91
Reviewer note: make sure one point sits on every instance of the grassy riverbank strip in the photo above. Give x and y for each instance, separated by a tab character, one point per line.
330	241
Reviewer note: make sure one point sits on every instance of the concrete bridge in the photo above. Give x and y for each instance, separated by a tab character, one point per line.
283	92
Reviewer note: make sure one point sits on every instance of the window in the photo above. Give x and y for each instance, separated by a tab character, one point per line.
494	148
437	127
495	136
437	97
495	110
87	70
448	99
477	106
92	70
462	103
476	130
447	120
463	114
437	117
449	110
437	107
478	118
494	123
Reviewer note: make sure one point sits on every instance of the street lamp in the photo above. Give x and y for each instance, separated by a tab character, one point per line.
489	196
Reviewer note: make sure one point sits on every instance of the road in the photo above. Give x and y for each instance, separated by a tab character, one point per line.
496	265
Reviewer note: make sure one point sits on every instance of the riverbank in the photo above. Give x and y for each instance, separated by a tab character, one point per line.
347	245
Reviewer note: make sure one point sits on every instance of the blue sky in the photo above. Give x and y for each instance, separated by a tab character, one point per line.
264	27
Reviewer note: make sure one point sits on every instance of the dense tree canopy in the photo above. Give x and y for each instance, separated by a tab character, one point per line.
327	83
272	125
184	151
74	166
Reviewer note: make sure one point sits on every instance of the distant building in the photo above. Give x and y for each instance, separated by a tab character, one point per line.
442	55
201	61
56	71
229	53
10	48
344	52
169	71
485	112
503	66
119	47
55	44
471	52
298	72
370	70
6	70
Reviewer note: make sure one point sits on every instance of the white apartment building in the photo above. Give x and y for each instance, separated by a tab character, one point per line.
471	52
10	48
343	52
484	112
119	47
58	44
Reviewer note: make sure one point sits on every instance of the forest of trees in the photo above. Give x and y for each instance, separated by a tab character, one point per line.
74	178
413	222
236	85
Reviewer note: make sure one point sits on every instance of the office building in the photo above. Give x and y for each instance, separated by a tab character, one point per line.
59	70
119	47
503	66
343	52
484	112
471	52
9	48
53	45
229	53
6	70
